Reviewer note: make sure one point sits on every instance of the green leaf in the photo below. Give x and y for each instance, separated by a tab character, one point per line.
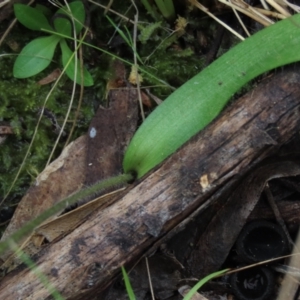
196	103
166	8
31	18
70	69
44	10
35	56
193	290
63	25
128	286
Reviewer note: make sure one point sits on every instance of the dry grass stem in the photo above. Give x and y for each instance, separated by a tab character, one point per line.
112	11
240	21
204	9
270	13
4	3
289	285
249	11
279	8
261	14
264	4
149	278
75	42
136	19
295	7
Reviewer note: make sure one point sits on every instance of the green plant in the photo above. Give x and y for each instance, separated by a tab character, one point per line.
38	54
195	104
128	286
126	37
199	284
188	296
166	8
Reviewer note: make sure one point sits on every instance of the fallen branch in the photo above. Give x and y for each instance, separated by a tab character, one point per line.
82	263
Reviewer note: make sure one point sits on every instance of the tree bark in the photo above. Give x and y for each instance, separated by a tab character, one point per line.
84	262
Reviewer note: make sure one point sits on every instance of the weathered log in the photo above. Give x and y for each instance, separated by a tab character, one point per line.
289	211
82	263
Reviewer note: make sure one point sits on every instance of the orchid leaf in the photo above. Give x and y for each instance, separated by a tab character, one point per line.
196	103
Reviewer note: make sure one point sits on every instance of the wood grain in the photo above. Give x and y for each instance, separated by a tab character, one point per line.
84	262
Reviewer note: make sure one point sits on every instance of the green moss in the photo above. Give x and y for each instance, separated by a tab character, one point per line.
21	101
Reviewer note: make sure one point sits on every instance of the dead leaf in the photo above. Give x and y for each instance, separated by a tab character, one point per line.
184	291
6	129
67	222
50	78
61	178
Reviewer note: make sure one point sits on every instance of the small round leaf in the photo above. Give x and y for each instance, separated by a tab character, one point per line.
31	18
35	56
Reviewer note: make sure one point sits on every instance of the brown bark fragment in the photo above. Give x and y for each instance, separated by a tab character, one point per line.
109	133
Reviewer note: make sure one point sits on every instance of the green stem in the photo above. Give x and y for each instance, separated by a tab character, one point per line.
167	9
31	225
151	10
37	272
112	55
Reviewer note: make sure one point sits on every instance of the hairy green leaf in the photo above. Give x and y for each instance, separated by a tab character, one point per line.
195	104
35	56
70	63
31	18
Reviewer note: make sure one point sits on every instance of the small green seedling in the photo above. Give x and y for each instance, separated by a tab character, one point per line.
38	54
